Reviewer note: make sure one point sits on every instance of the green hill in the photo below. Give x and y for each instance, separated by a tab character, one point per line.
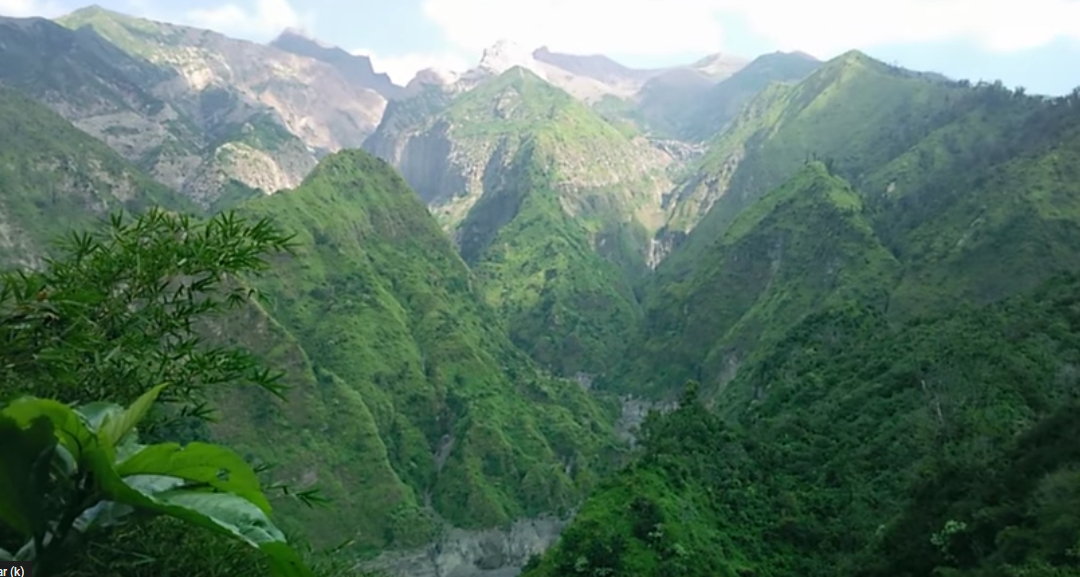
396	352
896	403
857	448
551	205
853	110
713	110
805	245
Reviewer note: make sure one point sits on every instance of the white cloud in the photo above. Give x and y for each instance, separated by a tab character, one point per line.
268	18
831	26
403	68
822	27
582	26
25	8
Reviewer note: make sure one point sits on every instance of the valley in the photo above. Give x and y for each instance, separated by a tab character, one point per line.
553	315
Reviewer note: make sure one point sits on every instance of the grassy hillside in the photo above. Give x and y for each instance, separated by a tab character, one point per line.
398	354
984	188
563	302
712	111
55	178
853	110
900	402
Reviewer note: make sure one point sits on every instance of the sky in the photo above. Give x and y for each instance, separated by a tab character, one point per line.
1029	43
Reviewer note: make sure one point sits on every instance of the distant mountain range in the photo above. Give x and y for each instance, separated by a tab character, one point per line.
500	270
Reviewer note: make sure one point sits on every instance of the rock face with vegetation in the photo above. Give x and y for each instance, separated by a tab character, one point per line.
852	292
396	350
885	339
55	178
216	118
551	205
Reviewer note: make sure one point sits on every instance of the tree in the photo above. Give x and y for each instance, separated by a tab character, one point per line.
119	311
111	315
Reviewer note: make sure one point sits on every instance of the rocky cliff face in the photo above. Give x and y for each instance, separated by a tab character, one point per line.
463	553
354	68
451	148
200	111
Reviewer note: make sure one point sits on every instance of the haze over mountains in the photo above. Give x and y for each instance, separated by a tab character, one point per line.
867	272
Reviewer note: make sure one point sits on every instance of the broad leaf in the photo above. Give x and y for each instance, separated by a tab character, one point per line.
68	426
216	466
5	555
25	456
117	426
95	414
103	514
223	513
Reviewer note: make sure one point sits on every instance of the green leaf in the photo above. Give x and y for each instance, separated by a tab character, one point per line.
23	476
5	555
216	466
67	425
95	414
103	514
224	513
117	426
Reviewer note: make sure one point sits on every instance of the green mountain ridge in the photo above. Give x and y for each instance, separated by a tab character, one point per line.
726	99
550	204
804	245
859	448
900	403
875	306
448	419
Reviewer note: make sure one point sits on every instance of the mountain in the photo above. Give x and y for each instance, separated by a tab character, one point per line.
806	245
719	66
884	341
854	110
258	116
723	101
927	160
55	178
410	404
516	158
855	447
208	145
354	68
596	66
692	104
341	116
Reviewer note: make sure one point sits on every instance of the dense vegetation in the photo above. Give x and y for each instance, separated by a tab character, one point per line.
876	409
113	317
558	224
399	354
855	447
876	314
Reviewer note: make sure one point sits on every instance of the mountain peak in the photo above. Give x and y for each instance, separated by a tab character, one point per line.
720	65
91	12
357	68
296	34
506	54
